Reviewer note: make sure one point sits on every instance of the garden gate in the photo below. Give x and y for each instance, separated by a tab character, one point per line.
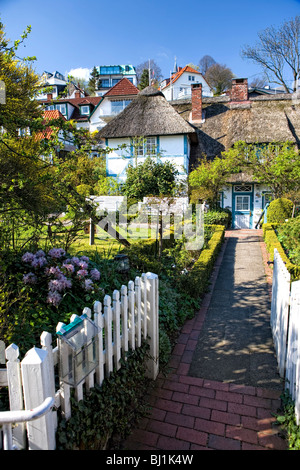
88	349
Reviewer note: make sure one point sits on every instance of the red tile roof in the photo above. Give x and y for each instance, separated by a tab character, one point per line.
178	74
49	115
123	88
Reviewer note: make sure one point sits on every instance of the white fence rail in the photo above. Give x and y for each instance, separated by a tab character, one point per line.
285	324
126	319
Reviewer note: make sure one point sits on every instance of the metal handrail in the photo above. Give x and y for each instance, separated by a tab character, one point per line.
7	418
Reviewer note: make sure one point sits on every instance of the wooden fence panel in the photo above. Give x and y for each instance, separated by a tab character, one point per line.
132	315
280	310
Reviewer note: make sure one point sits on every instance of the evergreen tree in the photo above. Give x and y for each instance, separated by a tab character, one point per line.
93	81
144	80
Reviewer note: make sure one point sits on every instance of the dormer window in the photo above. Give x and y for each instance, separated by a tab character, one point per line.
61	108
85	110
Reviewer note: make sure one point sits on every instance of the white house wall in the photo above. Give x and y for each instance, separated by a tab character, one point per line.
174	92
174	149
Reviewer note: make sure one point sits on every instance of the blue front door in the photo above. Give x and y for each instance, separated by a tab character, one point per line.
242	206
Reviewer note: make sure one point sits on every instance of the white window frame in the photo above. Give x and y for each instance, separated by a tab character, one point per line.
84	110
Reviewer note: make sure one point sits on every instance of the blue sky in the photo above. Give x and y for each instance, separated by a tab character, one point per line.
68	35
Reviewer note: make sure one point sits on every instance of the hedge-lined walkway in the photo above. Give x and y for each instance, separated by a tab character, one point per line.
200	413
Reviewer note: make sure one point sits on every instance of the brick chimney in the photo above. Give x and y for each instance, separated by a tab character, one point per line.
196	102
77	94
239	90
49	96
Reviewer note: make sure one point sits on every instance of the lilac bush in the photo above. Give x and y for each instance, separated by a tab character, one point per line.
60	272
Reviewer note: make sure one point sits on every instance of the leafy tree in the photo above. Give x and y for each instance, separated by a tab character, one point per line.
207	180
150	178
38	178
278	53
277	165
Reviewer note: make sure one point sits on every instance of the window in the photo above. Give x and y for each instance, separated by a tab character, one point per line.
62	108
242	203
146	147
50	108
118	105
104	83
115	81
243	188
85	110
191	78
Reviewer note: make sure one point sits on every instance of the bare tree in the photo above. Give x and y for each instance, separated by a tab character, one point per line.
155	71
278	53
219	77
206	62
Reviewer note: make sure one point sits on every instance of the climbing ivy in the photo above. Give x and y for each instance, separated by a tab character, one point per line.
105	416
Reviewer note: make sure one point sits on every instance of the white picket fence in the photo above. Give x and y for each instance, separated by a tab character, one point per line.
121	324
285	324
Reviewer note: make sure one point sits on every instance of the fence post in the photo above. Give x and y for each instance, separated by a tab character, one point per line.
153	325
98	318
15	392
37	387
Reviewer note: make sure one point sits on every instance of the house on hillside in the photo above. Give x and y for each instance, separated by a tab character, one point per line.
65	141
110	75
166	135
179	85
113	103
93	112
222	121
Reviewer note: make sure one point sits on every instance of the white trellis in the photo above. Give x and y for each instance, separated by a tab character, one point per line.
121	323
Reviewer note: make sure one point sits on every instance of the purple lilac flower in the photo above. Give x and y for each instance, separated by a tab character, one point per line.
88	284
69	267
84	258
28	257
83	265
54	298
60	284
56	252
39	262
40	254
29	278
95	274
75	261
82	273
55	271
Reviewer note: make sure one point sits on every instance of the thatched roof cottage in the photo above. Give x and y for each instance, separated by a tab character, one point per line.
221	121
149	125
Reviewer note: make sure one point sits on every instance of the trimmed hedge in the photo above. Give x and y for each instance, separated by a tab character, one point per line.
279	210
272	242
196	282
218	217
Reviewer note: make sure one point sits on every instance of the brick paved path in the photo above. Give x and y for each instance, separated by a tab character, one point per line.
195	413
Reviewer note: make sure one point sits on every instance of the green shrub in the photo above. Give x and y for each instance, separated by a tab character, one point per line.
289	236
196	282
272	242
279	210
107	413
218	217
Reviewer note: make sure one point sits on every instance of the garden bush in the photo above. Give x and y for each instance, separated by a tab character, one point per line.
289	237
218	217
279	210
272	242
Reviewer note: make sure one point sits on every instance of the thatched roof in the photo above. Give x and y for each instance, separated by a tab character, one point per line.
262	119
149	114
